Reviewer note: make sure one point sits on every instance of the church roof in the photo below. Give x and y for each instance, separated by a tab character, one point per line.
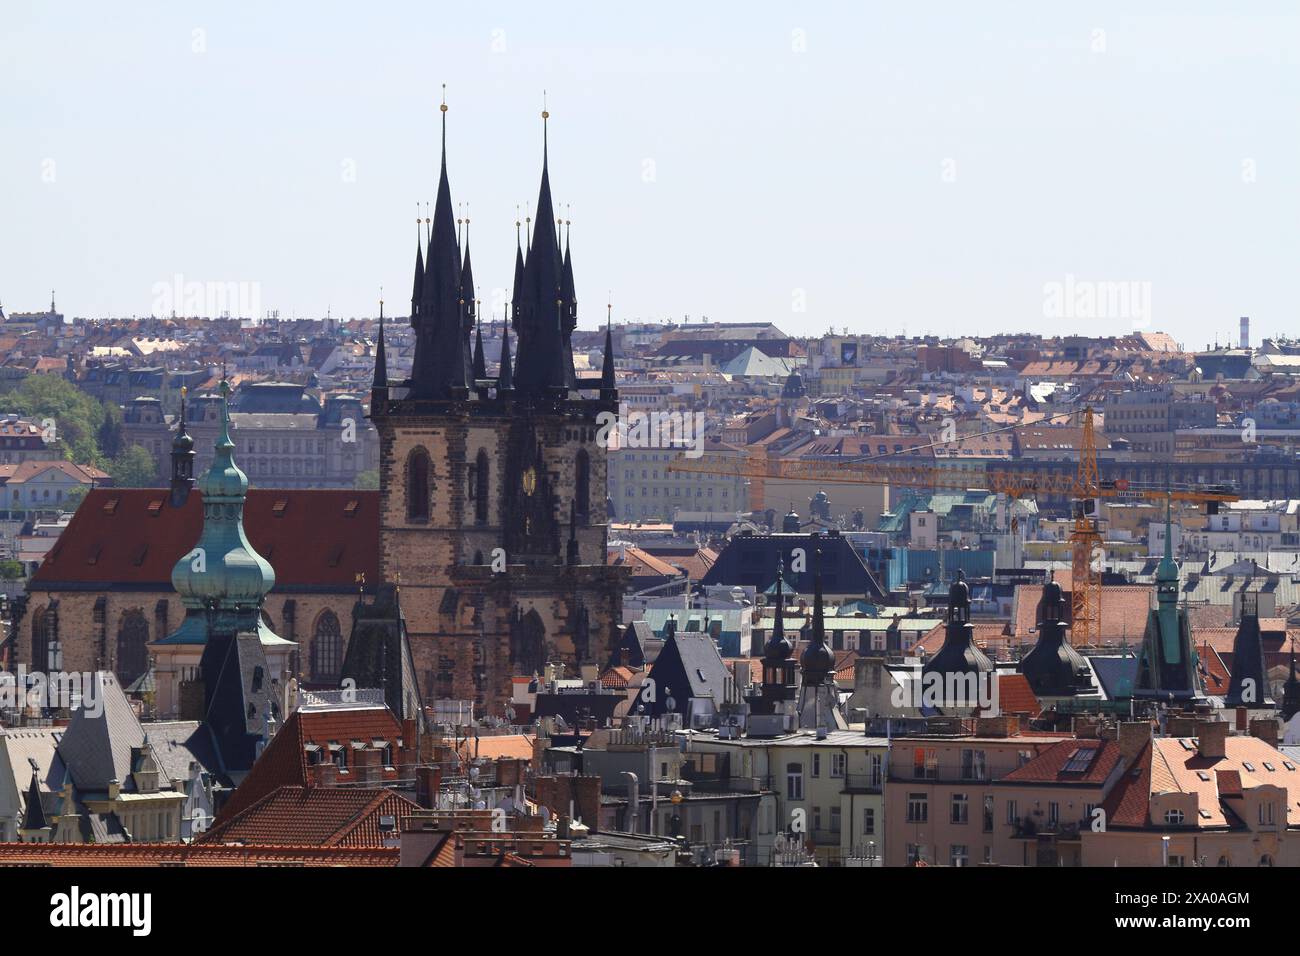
129	539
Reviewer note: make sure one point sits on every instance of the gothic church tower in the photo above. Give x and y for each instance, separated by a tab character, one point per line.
493	515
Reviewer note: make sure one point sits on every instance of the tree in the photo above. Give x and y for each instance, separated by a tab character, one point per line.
134	468
11	570
67	414
367	480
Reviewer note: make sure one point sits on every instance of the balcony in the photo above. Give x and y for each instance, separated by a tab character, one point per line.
863	783
1062	831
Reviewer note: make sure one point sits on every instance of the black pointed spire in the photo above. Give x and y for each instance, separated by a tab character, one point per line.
505	375
608	383
182	460
817	661
546	363
34	814
442	366
381	357
480	363
417	286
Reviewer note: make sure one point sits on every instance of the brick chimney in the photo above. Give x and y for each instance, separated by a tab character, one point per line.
1266	729
369	770
586	800
428	781
509	771
1242	717
1211	738
327	774
1132	737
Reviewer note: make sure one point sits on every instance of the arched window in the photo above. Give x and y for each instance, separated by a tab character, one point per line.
583	486
41	640
479	491
132	647
417	485
1266	860
327	648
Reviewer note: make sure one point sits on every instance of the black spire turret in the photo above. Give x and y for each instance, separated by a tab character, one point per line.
505	374
381	356
1249	684
182	460
442	366
959	654
546	363
1054	668
417	285
817	661
608	382
1291	691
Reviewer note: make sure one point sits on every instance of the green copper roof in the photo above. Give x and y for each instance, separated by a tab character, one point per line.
222	571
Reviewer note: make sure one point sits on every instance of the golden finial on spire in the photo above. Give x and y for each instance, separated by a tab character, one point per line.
545	114
443	107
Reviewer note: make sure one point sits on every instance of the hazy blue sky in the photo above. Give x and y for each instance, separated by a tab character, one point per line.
931	167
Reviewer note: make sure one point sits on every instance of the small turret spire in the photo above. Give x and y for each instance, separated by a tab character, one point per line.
381	358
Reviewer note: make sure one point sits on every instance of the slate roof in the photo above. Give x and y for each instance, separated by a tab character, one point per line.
96	747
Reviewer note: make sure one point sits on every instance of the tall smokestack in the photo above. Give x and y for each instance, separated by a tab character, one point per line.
1245	331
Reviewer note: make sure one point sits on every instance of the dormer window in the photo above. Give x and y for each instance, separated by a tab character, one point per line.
1174	818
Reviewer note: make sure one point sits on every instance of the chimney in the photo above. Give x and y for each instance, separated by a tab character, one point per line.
1211	738
1241	724
586	798
1133	736
408	733
1245	331
428	781
327	774
1266	729
369	771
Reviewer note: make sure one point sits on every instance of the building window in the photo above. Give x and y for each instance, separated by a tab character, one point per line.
794	781
479	487
1012	815
1174	817
918	808
835	819
132	647
868	821
960	808
960	855
582	490
327	648
988	813
838	763
973	765
417	485
817	765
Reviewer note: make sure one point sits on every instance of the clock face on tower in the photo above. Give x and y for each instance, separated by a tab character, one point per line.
529	481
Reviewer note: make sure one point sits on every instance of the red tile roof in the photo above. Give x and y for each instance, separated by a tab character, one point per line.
1049	765
315	816
1016	697
284	761
133	537
192	854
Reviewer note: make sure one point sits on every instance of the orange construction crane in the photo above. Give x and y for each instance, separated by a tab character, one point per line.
1084	488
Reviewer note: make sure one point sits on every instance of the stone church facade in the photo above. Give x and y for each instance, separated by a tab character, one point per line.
493	509
491	516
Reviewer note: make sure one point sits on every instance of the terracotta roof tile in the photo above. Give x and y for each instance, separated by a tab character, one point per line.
315	816
300	531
